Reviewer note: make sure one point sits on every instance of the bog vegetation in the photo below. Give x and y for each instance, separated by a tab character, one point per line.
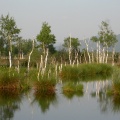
36	64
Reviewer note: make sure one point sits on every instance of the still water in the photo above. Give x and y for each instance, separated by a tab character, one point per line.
93	104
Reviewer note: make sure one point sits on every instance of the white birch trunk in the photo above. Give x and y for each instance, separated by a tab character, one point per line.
10	60
106	54
113	53
40	67
30	56
92	56
103	55
70	51
89	59
97	53
46	58
100	58
56	67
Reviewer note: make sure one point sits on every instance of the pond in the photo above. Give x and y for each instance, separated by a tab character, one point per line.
93	104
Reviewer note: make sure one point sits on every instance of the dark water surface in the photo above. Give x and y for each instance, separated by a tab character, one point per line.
92	105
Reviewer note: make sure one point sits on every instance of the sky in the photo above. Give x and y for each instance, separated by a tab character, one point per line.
78	18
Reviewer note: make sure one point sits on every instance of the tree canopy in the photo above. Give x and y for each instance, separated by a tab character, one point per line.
8	31
45	37
106	36
74	43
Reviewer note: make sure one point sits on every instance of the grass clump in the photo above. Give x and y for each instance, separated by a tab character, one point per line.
114	89
9	80
45	85
116	81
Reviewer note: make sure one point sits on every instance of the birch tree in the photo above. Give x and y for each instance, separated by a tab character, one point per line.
45	37
106	39
72	44
9	32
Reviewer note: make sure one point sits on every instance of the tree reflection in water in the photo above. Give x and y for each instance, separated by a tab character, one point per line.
107	102
9	103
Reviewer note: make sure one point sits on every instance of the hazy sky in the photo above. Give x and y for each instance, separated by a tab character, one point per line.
80	18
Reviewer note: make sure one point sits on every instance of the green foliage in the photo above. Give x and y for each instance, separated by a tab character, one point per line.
52	49
8	30
74	43
45	37
106	36
1	45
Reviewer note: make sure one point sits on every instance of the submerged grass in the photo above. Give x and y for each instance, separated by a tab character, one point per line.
74	72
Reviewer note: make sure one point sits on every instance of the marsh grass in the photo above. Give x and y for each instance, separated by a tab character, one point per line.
9	79
115	88
85	70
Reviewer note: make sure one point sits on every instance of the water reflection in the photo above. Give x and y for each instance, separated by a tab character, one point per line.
107	102
9	103
92	103
44	100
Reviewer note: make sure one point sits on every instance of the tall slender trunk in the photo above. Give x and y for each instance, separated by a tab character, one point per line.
89	59
40	70
113	53
99	48
97	53
103	55
10	51
46	57
106	54
10	60
92	60
30	56
70	59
